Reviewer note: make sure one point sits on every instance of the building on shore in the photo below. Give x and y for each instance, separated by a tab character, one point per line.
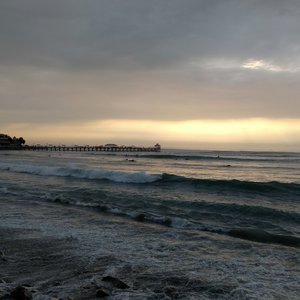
157	147
111	145
5	140
9	143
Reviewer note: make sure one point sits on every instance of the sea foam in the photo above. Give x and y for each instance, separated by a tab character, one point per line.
84	173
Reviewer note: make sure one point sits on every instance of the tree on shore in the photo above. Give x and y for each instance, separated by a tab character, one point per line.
21	141
7	141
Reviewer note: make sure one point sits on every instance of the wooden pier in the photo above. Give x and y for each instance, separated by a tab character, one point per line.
105	148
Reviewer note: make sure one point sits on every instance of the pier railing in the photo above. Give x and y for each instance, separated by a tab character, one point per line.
92	148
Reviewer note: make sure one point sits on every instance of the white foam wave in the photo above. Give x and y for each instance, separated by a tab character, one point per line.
85	173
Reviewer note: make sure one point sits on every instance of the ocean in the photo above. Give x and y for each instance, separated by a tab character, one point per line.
190	224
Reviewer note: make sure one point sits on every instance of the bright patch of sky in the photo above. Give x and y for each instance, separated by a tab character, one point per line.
253	64
224	64
256	133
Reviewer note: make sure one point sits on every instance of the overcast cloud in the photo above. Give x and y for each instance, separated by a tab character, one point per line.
66	60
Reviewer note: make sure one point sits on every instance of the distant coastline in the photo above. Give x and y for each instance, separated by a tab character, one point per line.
9	143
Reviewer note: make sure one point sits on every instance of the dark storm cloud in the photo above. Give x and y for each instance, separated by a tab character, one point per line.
156	59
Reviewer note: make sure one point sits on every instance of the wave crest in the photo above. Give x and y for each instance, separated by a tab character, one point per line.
144	177
233	184
84	173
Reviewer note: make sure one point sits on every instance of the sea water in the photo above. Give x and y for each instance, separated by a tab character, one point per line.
213	218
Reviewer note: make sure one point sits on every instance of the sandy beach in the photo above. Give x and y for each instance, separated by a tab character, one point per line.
48	266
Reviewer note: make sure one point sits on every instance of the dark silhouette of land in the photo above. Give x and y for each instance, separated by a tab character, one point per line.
9	143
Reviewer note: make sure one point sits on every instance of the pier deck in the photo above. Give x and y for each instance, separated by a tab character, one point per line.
92	148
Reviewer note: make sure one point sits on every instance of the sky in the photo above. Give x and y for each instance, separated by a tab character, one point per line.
201	74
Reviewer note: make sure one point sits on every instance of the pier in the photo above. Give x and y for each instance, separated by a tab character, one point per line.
106	148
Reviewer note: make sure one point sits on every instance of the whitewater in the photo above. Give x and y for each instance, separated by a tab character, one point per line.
205	224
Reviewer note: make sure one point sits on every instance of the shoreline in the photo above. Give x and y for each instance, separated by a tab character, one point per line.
63	252
49	266
31	259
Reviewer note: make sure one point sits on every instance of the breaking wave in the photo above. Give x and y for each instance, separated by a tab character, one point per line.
144	177
83	173
255	235
234	184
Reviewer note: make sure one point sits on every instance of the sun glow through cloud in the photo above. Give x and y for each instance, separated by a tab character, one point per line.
229	64
253	64
193	132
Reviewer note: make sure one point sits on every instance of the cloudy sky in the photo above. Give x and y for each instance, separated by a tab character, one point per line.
186	73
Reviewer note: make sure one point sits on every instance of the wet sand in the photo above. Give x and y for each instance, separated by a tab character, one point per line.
40	251
62	252
49	267
46	265
43	263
